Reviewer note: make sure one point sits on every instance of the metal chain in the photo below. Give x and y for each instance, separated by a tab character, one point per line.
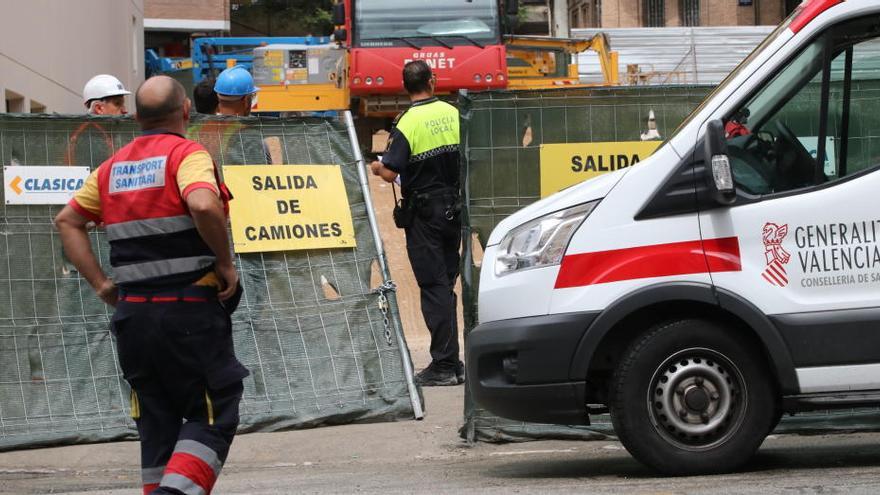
386	287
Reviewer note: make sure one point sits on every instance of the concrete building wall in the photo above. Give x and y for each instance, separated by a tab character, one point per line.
50	48
190	15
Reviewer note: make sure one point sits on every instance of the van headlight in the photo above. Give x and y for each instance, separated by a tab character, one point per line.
540	242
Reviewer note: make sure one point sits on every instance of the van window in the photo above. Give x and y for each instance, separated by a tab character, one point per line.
817	120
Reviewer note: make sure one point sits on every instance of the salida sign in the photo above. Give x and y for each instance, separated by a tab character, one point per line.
563	165
49	185
288	207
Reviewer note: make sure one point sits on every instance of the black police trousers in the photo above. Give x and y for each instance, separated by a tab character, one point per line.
432	243
186	385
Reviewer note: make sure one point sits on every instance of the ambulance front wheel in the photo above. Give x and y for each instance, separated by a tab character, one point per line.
691	397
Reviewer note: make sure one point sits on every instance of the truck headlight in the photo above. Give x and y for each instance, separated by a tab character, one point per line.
540	242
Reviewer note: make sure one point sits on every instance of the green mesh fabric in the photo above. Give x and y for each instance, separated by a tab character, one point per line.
309	327
501	176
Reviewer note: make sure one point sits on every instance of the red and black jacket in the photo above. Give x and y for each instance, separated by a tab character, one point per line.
153	239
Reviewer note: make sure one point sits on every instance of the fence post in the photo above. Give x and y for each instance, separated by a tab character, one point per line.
416	400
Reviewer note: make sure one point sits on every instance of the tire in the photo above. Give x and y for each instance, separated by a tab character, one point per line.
711	402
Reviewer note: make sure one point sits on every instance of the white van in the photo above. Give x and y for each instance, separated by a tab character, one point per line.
731	277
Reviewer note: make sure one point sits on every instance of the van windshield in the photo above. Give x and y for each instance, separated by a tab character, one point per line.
739	68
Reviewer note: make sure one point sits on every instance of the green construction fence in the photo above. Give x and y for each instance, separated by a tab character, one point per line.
310	327
502	133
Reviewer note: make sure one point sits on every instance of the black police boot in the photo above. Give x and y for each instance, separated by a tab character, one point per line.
436	377
459	372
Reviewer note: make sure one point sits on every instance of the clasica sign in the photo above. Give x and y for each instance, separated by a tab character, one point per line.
42	185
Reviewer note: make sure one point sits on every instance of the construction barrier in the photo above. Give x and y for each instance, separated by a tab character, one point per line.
318	329
514	144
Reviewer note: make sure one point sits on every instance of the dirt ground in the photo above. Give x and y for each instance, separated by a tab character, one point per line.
427	457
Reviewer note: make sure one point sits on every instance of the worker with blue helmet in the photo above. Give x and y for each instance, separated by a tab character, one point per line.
236	91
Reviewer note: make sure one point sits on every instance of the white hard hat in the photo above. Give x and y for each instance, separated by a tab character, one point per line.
103	86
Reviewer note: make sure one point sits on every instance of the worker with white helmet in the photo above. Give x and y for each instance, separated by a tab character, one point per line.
105	95
235	91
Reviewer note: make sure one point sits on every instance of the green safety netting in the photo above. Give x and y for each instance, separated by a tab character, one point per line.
502	133
309	328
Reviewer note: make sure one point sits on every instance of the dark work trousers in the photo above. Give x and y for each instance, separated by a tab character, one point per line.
432	243
186	385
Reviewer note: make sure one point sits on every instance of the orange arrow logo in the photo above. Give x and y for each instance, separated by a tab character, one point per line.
15	185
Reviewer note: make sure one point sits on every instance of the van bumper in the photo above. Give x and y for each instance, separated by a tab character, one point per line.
519	368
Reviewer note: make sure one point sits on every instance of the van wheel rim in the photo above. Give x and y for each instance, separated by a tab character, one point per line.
697	399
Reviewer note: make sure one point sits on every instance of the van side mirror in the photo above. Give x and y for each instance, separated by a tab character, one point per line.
340	35
719	173
338	14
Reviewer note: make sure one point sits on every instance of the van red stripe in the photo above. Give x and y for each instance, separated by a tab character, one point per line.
660	260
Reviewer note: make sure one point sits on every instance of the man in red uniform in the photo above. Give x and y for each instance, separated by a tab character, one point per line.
173	286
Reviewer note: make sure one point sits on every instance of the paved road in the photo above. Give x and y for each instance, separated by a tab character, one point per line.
427	457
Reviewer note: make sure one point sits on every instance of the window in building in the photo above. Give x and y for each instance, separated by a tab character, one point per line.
655	13
593	13
14	102
576	17
37	107
690	12
588	14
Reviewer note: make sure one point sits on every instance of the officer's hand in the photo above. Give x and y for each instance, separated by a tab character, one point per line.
375	167
229	279
108	292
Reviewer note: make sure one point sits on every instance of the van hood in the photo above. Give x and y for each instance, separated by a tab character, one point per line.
590	190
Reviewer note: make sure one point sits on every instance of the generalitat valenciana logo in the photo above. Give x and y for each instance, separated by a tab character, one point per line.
775	254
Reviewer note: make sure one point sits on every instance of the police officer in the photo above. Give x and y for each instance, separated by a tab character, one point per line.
423	151
173	286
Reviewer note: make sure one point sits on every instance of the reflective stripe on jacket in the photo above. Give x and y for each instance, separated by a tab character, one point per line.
153	239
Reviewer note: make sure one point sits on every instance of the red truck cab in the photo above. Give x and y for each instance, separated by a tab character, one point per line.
459	39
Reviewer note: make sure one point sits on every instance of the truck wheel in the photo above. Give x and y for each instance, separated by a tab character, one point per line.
689	397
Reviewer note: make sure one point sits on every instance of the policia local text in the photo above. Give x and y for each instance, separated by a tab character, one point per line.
289	207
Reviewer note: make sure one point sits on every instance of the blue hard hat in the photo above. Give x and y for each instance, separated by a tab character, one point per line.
235	81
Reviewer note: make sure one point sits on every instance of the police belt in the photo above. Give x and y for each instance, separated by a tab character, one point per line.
192	293
444	193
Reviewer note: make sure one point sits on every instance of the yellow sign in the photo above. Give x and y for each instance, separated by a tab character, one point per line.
288	207
563	165
273	58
